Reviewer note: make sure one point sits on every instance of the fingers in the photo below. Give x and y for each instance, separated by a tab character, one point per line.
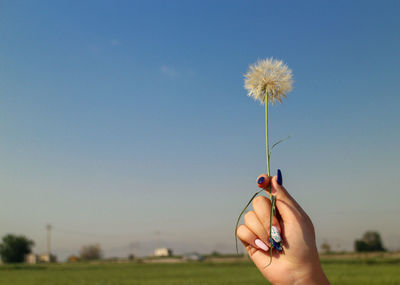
247	237
286	204
257	250
253	223
263	181
262	208
275	185
256	229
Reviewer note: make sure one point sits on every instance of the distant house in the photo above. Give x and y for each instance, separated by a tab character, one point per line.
32	258
192	256
47	258
163	251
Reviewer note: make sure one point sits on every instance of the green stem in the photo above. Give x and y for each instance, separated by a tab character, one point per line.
268	173
266	136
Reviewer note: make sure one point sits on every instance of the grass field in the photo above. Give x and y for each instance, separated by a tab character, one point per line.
205	273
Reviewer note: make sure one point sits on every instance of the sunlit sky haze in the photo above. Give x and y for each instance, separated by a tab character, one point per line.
127	121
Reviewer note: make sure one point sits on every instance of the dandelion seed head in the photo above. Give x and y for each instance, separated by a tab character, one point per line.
268	79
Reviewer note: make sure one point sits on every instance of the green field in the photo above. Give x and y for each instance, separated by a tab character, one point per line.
205	273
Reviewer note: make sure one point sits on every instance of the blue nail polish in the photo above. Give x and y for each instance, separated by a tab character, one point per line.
260	180
279	177
275	244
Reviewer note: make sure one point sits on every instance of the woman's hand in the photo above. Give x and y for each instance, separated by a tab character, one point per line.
298	262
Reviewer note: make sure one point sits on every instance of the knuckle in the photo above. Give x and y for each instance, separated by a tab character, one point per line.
251	250
248	216
240	229
259	201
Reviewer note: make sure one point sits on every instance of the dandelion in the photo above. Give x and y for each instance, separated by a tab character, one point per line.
267	81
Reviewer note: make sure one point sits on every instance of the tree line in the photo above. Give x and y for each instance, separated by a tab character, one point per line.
14	248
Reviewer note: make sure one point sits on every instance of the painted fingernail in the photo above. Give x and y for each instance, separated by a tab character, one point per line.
263	181
279	177
276	236
275	245
261	245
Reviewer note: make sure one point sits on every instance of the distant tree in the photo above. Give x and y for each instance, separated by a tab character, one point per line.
14	248
326	247
371	241
360	246
91	252
215	254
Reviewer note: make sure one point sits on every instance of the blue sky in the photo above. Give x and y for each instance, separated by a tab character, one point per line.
121	119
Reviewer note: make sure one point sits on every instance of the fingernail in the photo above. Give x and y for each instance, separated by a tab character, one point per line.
276	236
279	177
263	181
275	245
261	245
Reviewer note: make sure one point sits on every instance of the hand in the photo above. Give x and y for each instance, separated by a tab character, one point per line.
298	262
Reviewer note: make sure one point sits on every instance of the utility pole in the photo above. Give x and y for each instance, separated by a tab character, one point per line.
158	235
132	246
48	241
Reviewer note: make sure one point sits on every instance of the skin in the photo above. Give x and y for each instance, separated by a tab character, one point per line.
299	262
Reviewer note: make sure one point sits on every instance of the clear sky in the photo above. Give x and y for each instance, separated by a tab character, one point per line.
127	121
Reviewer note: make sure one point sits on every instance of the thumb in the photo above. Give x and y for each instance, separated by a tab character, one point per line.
285	203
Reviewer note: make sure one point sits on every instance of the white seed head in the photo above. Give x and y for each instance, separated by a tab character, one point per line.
269	79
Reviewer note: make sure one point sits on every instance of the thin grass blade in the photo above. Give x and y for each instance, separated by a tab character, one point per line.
278	142
241	213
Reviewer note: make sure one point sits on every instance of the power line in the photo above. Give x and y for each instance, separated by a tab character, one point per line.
48	240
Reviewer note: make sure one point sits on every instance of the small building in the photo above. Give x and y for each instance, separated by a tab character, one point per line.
192	256
47	258
163	251
32	258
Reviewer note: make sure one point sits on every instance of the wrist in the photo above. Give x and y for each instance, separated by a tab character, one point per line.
314	276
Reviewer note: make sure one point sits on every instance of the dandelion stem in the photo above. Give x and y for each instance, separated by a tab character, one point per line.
268	173
266	134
